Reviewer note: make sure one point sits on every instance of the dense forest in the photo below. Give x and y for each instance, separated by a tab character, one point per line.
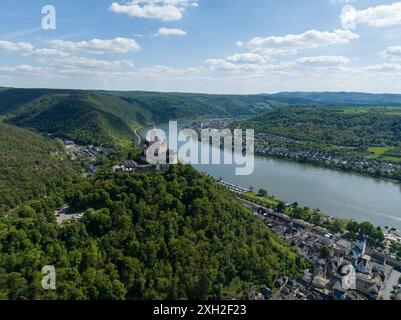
31	167
174	234
103	117
74	117
377	127
163	107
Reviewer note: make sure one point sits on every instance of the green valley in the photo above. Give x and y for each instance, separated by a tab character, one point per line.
103	117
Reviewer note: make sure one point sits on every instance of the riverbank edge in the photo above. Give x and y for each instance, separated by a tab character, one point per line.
253	197
325	166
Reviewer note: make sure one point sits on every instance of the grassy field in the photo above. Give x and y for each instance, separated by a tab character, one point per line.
378	152
267	201
392	159
385	154
356	110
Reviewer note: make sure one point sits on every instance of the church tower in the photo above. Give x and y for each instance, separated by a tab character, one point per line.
361	244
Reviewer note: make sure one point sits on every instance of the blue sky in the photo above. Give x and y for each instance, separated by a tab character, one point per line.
213	46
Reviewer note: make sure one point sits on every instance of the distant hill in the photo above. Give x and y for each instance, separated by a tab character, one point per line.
11	99
110	117
169	106
342	127
337	98
73	116
31	167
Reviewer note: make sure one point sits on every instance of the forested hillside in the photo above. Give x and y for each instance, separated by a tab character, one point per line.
31	167
110	117
73	116
12	99
163	107
174	234
343	127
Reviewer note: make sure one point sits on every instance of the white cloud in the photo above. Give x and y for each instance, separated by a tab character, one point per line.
171	32
247	57
292	43
164	10
22	69
28	68
379	16
16	46
83	63
224	65
341	1
256	66
93	63
323	60
393	53
259	58
261	51
384	67
167	70
99	46
45	52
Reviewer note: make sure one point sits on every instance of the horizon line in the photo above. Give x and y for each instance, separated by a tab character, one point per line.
201	93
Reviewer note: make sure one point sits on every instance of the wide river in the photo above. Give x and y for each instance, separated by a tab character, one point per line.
339	194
